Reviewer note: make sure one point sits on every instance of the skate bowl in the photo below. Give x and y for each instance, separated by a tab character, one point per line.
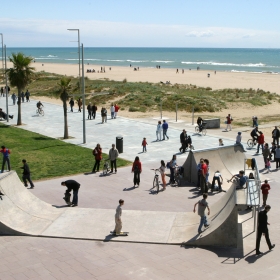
22	213
229	160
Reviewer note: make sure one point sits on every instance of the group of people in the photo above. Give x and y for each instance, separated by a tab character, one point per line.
3	91
91	111
185	140
24	95
161	130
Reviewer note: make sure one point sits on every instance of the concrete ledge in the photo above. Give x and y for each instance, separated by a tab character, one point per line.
212	123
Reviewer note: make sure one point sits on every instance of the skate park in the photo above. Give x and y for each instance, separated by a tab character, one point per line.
166	213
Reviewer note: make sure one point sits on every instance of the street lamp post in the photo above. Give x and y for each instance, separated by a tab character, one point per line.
84	101
7	91
2	54
79	53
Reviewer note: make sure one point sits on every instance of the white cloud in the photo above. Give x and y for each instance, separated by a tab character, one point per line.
246	36
207	33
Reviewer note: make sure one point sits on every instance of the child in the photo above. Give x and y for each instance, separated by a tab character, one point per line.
265	188
144	144
221	142
189	143
202	204
267	164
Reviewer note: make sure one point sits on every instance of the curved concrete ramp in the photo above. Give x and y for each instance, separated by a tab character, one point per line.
227	159
22	213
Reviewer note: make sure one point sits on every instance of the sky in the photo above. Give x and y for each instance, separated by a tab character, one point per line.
144	23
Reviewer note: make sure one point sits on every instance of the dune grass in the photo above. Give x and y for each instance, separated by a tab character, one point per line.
47	157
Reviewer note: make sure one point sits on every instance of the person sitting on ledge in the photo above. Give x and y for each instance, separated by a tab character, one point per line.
241	180
4	115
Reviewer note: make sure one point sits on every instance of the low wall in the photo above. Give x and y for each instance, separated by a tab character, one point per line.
212	123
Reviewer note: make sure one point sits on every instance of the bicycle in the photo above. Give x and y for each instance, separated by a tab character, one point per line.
106	167
252	142
178	175
156	181
40	111
203	130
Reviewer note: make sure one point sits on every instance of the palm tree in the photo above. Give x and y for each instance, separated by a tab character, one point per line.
64	96
20	75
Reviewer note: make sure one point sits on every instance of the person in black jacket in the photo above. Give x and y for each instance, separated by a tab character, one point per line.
262	229
71	103
26	175
72	185
275	135
183	140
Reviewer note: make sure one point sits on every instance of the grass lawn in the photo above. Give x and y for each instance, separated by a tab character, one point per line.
47	157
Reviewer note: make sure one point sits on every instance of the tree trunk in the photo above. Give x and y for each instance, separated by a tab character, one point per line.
19	107
66	136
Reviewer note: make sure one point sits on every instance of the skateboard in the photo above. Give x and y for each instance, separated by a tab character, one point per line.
67	198
124	233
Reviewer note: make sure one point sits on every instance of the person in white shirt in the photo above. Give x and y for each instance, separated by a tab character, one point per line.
217	177
158	131
238	141
112	111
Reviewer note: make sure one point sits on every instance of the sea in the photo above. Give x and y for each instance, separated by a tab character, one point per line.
216	59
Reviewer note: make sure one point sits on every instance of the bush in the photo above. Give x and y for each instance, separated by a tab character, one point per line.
132	109
124	81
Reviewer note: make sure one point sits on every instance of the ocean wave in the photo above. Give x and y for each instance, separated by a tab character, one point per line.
45	58
137	61
226	64
87	59
163	61
255	72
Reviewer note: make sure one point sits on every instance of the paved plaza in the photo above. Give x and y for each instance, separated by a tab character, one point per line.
47	258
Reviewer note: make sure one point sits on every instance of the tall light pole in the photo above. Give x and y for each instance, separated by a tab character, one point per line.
7	107
79	46
84	101
2	54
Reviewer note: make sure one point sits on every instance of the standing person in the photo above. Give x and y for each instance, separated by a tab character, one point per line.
277	156
103	114
6	158
94	109
202	179
71	103
97	152
238	141
22	96
118	217
260	141
80	103
272	151
26	175
2	91
183	141
72	185
117	108
266	152
229	120
265	188
27	95
268	166
263	230
89	109
202	205
112	109
275	135
162	172
158	131
113	155
172	164
198	168
199	122
14	98
164	128
217	177
136	169
144	144
206	161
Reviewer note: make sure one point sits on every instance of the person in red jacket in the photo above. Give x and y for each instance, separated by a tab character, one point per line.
260	141
116	110
229	120
6	158
97	152
137	169
265	188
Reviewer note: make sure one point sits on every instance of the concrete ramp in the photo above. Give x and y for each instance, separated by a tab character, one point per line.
227	159
22	213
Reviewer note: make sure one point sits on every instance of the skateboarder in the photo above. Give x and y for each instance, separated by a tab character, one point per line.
217	177
241	180
72	185
118	219
202	204
26	174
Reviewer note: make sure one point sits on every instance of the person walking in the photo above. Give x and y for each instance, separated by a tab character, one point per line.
275	135
260	141
164	129
112	109
71	103
117	108
94	109
277	157
22	96
80	103
162	172
136	169
113	155
27	95
26	175
263	230
74	186
14	98
202	205
228	121
118	218
158	131
97	152
6	158
183	141
265	188
89	109
266	153
144	144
